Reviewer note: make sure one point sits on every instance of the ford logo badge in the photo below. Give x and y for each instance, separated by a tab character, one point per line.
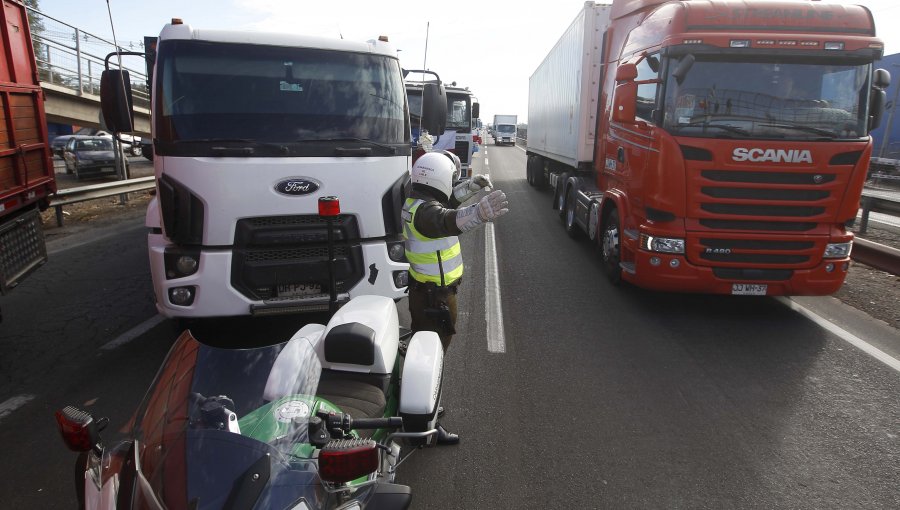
296	186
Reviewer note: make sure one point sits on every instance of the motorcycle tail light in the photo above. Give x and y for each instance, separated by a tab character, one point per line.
77	428
344	460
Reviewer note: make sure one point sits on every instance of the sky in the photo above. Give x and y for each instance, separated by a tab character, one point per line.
491	47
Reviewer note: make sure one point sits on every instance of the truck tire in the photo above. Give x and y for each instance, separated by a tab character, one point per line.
538	176
611	248
569	218
531	169
559	198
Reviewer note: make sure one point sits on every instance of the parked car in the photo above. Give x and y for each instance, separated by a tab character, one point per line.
59	143
90	156
130	144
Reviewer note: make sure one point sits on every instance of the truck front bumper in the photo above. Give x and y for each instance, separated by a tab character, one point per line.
214	296
673	273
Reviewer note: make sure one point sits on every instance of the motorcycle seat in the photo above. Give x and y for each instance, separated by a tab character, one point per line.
358	398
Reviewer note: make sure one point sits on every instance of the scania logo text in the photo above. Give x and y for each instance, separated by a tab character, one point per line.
297	186
757	155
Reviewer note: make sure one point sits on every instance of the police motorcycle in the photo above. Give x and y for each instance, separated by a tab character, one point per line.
321	421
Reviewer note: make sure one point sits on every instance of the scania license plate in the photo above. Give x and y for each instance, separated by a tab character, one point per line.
298	289
749	289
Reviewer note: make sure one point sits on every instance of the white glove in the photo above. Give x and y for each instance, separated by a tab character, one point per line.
464	190
489	208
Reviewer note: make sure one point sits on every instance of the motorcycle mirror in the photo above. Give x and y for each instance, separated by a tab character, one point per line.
78	428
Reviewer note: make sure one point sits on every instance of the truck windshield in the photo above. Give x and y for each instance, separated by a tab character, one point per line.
459	117
768	100
506	128
251	94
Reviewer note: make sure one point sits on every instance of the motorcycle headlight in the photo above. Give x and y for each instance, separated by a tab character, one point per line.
838	250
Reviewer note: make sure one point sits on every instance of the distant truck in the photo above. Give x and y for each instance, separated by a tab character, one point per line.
505	129
249	132
462	114
27	178
708	145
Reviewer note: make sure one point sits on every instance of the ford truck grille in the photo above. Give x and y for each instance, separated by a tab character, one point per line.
281	250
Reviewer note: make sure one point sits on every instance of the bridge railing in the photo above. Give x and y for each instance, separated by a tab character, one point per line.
72	58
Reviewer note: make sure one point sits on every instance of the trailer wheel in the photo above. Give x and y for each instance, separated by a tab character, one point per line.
560	196
569	219
538	175
532	169
611	248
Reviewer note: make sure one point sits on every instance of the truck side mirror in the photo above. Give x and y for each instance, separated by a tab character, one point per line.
626	72
881	79
476	110
116	102
877	107
625	102
434	108
683	67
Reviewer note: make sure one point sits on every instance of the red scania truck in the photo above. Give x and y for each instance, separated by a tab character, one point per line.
711	146
26	170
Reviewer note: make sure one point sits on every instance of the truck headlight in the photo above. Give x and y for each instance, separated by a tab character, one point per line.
838	250
662	244
397	251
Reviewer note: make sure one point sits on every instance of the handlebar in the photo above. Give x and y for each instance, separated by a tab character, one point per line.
345	423
393	422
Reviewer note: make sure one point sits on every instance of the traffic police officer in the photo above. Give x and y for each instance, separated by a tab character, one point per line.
432	219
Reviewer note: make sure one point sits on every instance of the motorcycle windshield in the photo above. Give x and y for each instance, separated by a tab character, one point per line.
227	428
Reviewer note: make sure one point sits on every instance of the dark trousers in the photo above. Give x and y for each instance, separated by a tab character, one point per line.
425	310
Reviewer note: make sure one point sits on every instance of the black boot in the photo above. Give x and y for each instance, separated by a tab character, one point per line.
445	438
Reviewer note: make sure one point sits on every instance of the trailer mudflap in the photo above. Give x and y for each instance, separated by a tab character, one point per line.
22	247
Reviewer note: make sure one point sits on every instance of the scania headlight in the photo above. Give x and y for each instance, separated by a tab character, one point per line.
838	250
662	244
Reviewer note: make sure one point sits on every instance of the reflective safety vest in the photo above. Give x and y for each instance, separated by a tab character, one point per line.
430	260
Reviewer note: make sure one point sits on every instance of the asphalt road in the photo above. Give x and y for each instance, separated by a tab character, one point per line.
601	397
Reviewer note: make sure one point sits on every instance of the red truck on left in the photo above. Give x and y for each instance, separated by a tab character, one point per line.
27	179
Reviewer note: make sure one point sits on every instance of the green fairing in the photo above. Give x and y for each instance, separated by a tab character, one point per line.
264	426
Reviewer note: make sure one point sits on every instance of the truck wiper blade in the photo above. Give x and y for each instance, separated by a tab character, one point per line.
393	150
805	129
722	127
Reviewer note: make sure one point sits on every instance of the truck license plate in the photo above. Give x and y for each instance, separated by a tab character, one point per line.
298	289
748	289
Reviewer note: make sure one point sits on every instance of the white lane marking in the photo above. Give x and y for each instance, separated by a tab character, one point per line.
133	333
493	309
9	405
845	335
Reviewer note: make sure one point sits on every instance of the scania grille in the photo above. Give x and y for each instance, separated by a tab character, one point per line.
763	223
740	252
272	254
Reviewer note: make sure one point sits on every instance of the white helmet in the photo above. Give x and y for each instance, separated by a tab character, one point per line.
437	171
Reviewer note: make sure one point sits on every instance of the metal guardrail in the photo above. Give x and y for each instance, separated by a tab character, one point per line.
879	256
876	201
95	191
72	58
